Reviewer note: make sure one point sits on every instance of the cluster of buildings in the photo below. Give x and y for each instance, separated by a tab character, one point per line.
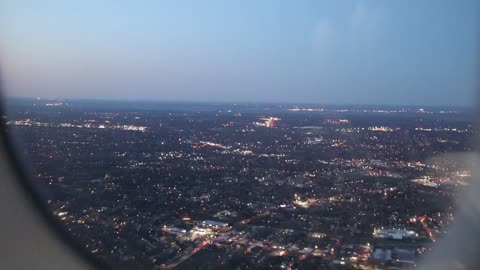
269	122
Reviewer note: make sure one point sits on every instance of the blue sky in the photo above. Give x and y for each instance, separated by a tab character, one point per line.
368	52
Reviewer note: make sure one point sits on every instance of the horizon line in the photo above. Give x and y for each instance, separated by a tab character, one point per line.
292	103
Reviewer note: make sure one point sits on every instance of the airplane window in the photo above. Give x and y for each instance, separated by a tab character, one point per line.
244	135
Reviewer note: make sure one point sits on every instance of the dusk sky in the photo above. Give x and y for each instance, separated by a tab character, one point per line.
344	52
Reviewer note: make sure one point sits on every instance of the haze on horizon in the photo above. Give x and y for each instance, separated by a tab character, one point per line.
344	52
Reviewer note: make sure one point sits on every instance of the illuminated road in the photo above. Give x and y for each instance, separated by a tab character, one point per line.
429	231
187	256
248	220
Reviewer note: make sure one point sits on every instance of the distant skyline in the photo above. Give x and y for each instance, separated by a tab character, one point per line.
11	99
323	52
